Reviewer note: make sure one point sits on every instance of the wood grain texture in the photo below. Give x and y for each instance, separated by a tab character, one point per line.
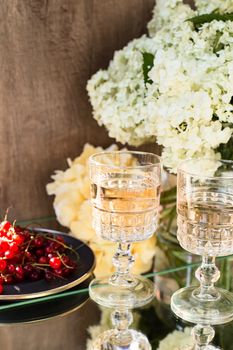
49	49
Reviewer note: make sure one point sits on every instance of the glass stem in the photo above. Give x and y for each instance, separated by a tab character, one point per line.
122	319
123	261
207	274
203	335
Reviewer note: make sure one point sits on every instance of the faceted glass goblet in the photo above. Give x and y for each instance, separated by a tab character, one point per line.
125	194
205	227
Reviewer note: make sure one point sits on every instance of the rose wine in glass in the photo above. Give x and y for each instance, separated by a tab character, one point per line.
125	194
205	227
206	222
125	208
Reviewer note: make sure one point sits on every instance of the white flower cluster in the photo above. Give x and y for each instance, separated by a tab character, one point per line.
177	340
188	107
118	94
210	6
73	210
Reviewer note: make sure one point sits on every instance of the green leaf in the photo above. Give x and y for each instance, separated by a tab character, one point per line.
171	218
168	196
148	64
168	200
207	18
217	46
166	212
170	192
226	149
167	239
215	11
181	255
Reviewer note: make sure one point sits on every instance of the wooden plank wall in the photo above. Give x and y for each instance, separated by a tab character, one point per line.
49	49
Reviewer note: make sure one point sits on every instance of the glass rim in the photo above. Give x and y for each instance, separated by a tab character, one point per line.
190	173
93	161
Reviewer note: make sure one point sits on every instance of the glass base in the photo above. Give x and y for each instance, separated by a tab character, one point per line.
114	340
192	309
138	292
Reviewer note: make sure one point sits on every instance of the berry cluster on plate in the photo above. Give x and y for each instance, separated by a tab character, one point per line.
30	256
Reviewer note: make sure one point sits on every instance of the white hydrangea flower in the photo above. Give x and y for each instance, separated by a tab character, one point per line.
201	167
177	340
166	14
188	107
117	94
204	6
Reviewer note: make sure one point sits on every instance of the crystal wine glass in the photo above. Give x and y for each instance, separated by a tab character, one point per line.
205	227
125	194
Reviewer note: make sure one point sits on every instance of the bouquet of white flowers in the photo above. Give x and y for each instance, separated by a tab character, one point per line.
175	85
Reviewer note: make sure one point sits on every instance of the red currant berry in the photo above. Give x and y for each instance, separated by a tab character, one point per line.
39	241
9	235
28	255
54	246
2	265
39	252
43	260
48	250
1	288
1	280
9	254
17	259
4	246
2	233
60	239
9	279
66	260
13	247
19	270
5	225
55	263
11	268
19	239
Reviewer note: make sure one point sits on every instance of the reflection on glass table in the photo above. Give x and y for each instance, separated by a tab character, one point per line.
75	324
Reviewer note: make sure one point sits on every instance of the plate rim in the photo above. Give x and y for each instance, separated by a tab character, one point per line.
55	290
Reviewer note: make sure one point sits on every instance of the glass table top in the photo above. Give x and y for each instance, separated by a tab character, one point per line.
68	319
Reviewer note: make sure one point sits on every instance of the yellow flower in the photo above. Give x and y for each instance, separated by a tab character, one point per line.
73	210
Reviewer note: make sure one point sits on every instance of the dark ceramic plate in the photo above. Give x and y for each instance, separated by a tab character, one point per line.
29	290
45	309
